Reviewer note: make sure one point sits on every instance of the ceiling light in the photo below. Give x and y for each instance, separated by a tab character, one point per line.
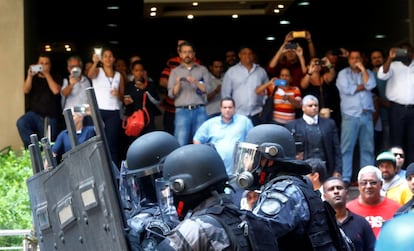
112	7
190	16
276	11
234	16
304	3
195	3
112	25
153	14
270	38
380	36
153	9
281	6
284	22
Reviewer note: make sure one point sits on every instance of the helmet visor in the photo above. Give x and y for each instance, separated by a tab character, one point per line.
245	158
166	201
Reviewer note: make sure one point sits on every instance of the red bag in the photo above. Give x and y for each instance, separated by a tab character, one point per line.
135	123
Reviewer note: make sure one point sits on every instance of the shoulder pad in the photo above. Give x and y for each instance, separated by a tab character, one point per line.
282	184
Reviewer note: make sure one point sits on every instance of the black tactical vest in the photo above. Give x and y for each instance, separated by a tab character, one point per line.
246	231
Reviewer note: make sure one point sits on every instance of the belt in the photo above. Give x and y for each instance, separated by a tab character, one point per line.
190	107
405	106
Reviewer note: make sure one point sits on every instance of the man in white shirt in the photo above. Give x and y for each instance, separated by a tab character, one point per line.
398	70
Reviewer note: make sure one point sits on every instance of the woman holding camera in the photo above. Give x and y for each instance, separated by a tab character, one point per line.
109	89
320	72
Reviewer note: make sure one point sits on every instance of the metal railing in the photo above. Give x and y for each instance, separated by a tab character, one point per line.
26	243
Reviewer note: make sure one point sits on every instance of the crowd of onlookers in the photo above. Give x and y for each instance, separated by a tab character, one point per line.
349	109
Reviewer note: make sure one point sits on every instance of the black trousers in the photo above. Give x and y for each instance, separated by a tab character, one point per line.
401	119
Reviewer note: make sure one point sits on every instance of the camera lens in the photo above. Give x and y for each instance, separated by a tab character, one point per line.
76	72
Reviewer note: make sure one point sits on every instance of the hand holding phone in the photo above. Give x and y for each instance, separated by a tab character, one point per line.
280	82
36	68
401	53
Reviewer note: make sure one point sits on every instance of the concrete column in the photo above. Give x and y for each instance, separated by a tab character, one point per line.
12	71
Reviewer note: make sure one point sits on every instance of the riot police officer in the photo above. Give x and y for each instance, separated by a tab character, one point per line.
197	178
149	219
266	160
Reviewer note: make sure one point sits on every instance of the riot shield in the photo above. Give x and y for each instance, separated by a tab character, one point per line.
76	205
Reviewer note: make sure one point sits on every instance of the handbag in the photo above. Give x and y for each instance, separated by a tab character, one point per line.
134	124
266	115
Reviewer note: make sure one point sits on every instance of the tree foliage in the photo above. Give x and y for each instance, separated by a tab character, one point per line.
15	212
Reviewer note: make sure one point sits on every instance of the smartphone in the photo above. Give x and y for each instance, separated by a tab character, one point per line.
291	46
98	51
280	82
299	34
400	53
36	68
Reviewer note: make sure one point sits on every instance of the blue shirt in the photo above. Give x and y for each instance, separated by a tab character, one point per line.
241	84
353	103
224	135
62	143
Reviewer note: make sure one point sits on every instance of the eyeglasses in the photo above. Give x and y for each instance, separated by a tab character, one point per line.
400	154
366	182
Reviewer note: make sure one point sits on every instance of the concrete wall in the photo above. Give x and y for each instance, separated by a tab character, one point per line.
12	71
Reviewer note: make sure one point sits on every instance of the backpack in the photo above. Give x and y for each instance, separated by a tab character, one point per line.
245	230
135	123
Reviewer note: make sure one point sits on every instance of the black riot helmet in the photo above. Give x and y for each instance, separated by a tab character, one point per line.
195	172
147	150
193	168
264	143
143	158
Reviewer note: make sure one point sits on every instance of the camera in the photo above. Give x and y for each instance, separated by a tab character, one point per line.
36	68
320	62
291	46
401	53
280	82
76	72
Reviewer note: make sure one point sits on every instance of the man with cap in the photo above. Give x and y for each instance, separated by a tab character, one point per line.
409	206
394	187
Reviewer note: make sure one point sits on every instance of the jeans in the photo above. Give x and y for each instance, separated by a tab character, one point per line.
32	123
353	129
187	122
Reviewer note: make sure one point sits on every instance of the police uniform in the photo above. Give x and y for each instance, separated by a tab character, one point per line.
194	231
300	222
147	228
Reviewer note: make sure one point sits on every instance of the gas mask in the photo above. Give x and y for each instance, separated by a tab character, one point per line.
247	162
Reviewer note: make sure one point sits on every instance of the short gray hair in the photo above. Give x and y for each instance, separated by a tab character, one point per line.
308	98
370	169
